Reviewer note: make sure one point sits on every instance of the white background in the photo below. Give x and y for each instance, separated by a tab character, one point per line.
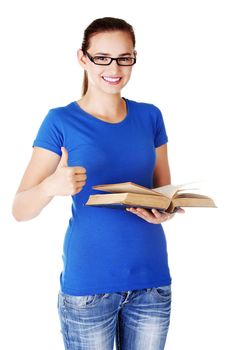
185	68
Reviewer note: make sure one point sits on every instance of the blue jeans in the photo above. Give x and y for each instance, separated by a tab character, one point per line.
139	318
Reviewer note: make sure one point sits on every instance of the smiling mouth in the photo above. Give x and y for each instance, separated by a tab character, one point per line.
111	79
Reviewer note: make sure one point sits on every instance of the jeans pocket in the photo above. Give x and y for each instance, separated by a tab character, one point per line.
79	301
163	292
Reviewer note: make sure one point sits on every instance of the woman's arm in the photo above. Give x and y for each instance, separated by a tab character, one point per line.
162	174
161	177
46	176
32	195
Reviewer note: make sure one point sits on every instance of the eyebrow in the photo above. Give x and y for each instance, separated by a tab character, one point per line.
108	54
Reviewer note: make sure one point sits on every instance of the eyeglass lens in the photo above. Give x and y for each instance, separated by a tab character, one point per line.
123	61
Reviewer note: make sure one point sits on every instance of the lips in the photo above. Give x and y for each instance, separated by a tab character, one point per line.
111	79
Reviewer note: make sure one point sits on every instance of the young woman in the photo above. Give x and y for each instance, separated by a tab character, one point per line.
116	277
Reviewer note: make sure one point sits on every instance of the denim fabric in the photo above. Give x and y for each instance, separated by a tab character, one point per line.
137	319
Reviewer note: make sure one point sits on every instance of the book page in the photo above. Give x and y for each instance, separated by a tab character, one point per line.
167	191
171	190
124	187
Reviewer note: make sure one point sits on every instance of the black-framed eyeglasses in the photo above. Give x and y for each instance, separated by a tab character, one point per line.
105	61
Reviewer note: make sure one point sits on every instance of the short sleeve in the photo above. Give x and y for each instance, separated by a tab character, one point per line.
49	135
160	134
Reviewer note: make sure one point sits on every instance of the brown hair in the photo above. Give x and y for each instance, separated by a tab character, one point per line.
99	25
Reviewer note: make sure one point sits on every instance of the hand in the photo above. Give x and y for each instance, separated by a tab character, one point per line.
66	180
153	216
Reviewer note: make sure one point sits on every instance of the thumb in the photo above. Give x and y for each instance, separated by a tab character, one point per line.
64	158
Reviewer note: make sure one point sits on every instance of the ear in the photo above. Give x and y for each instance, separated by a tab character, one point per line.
135	53
81	58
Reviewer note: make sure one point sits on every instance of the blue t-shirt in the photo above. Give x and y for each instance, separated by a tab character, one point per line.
106	249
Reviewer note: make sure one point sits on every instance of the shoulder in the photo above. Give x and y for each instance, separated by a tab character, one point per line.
60	110
58	114
144	106
151	115
147	111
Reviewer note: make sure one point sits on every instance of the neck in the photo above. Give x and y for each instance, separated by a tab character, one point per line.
103	104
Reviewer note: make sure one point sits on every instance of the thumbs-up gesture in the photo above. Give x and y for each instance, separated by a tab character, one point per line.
64	158
67	180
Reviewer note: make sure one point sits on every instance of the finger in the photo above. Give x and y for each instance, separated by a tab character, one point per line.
181	210
144	212
140	212
64	158
80	177
133	211
79	170
156	213
147	214
170	216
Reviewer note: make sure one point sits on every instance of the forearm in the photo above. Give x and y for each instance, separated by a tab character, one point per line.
28	204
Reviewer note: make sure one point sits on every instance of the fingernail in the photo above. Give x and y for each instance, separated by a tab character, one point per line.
157	214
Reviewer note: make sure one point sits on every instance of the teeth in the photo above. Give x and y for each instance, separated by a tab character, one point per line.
111	79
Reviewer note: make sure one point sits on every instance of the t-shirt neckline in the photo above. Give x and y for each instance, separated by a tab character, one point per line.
122	122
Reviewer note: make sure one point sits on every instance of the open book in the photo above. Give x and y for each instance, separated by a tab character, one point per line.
166	198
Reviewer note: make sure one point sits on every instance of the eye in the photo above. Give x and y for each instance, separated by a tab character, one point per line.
101	58
125	59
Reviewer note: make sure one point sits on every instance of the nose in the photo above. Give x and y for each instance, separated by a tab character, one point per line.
114	68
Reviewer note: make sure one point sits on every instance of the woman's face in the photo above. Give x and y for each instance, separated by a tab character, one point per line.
113	44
